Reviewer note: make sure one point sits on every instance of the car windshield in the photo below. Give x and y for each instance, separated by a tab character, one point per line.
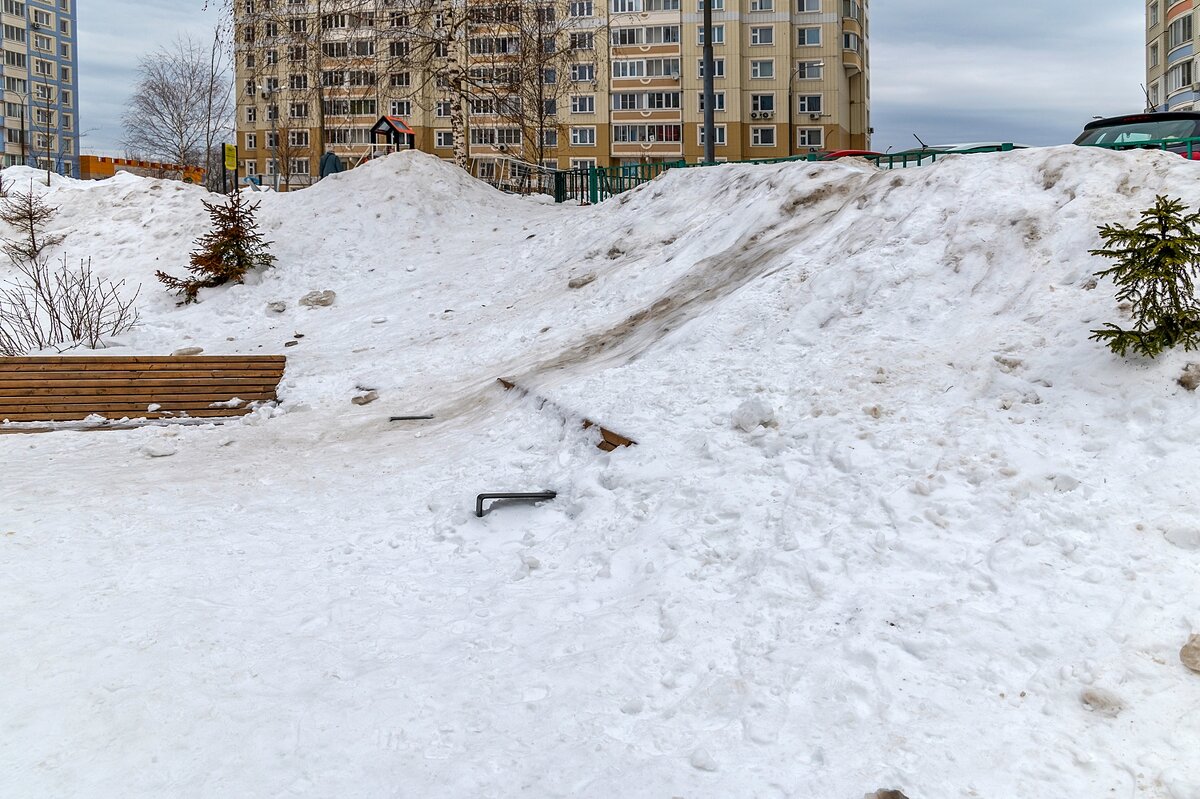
1140	131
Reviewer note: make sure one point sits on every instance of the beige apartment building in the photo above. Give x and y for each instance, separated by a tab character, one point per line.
562	84
1171	80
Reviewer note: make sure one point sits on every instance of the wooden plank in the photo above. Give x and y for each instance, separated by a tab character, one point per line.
75	361
16	403
19	395
102	374
72	388
167	383
122	407
72	417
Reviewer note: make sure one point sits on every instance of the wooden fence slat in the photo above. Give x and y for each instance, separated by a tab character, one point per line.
16	403
22	395
75	360
76	416
233	381
72	388
126	374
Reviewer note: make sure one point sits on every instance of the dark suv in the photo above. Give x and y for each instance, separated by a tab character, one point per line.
1175	131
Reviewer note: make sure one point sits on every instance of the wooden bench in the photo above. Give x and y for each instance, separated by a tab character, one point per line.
64	389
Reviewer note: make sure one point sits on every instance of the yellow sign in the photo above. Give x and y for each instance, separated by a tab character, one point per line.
231	156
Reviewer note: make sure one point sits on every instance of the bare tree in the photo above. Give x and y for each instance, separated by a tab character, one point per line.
182	103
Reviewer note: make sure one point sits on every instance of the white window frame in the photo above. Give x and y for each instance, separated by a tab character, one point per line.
802	36
756	35
583	136
756	134
805	104
721	139
443	139
718	68
718	35
756	68
583	104
718	102
810	137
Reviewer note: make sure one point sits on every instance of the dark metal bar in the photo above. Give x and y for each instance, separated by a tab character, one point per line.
533	496
409	418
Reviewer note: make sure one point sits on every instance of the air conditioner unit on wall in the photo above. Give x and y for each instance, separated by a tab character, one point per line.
814	116
766	114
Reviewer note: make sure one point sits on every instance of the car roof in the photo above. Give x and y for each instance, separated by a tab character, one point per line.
1126	119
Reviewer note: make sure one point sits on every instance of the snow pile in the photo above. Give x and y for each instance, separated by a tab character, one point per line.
891	522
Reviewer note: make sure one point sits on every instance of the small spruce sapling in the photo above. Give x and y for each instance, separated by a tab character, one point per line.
226	253
1156	261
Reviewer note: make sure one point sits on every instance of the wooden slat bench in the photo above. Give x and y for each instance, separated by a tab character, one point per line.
63	389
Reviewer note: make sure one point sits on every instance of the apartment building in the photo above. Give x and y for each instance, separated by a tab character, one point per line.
41	117
563	83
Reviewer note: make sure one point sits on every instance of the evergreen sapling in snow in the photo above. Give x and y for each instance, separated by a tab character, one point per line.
227	252
1156	261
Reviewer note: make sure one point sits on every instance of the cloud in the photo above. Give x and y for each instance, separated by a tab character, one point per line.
113	35
953	71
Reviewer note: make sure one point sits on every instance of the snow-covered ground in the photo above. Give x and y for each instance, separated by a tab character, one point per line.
959	559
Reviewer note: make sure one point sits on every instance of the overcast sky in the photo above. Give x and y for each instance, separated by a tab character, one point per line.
947	70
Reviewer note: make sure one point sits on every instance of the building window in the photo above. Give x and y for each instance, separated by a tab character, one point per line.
808	103
851	9
550	137
582	163
718	35
762	5
251	114
583	73
808	37
718	5
807	6
809	70
583	104
299	166
298	138
1179	32
443	139
762	103
1154	54
850	41
762	68
400	80
583	41
401	108
442	109
764	35
1153	14
762	137
581	8
1154	95
718	68
1179	77
718	102
251	141
810	137
719	139
583	137
298	111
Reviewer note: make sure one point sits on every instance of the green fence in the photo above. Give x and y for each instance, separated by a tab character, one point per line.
1189	148
598	183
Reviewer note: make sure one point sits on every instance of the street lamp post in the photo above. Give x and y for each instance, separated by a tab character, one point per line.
791	123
